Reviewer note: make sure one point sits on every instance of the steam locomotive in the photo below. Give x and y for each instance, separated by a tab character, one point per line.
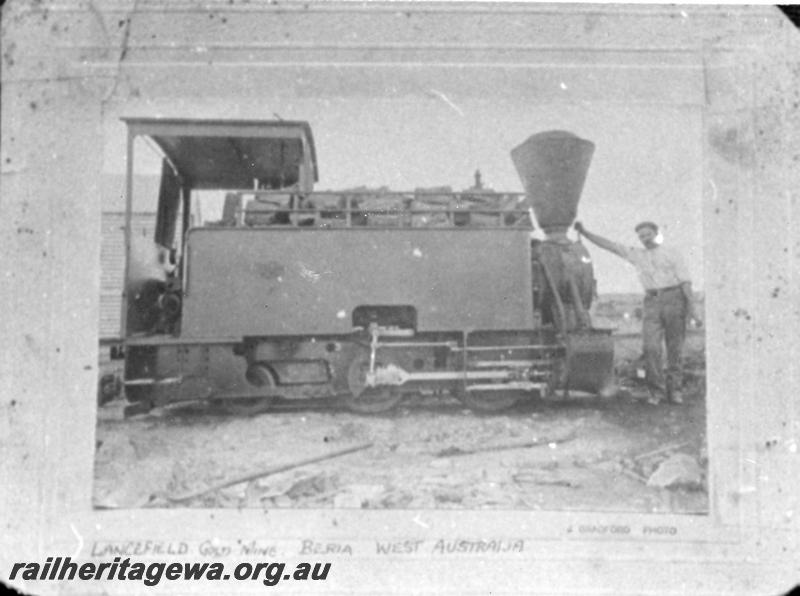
360	295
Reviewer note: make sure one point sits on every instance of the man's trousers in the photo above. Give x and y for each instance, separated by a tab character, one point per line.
664	324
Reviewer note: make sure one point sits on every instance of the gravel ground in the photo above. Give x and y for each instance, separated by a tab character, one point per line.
583	453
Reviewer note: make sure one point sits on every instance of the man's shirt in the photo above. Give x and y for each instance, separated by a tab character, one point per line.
659	267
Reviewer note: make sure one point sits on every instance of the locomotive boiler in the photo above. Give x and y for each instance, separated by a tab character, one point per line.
360	296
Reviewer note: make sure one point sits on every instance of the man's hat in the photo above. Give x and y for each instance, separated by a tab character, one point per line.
646	224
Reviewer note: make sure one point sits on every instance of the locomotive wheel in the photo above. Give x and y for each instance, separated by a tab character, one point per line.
368	400
260	376
490	401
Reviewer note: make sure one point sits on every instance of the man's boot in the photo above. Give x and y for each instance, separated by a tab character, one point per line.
674	394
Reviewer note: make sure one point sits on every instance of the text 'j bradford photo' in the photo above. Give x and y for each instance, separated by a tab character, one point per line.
399	298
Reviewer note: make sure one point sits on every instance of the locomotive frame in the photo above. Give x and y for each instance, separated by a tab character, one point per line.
358	295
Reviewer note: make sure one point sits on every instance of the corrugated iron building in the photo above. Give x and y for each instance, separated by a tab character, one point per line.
112	265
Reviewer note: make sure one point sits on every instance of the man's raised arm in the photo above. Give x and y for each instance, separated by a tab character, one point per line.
603	243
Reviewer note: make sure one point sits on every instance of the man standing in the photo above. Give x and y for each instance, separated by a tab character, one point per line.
668	306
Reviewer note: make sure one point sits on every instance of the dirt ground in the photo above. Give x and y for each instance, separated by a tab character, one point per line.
581	453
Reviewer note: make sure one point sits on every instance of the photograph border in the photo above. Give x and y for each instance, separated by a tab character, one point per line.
52	360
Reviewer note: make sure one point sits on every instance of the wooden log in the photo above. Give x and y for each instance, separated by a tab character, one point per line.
269	471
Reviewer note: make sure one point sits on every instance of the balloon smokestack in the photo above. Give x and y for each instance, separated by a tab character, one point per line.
552	166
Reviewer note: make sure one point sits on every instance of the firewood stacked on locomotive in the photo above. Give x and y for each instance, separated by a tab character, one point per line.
357	295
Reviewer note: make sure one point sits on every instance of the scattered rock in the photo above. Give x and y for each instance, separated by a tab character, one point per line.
357	496
491	494
514	432
115	449
450	451
425	501
312	486
648	467
678	471
610	466
282	501
237	491
347	500
276	484
580	462
494	474
252	496
448	495
407	448
353	431
397	499
131	486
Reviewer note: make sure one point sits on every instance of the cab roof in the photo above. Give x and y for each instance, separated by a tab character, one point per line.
230	154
